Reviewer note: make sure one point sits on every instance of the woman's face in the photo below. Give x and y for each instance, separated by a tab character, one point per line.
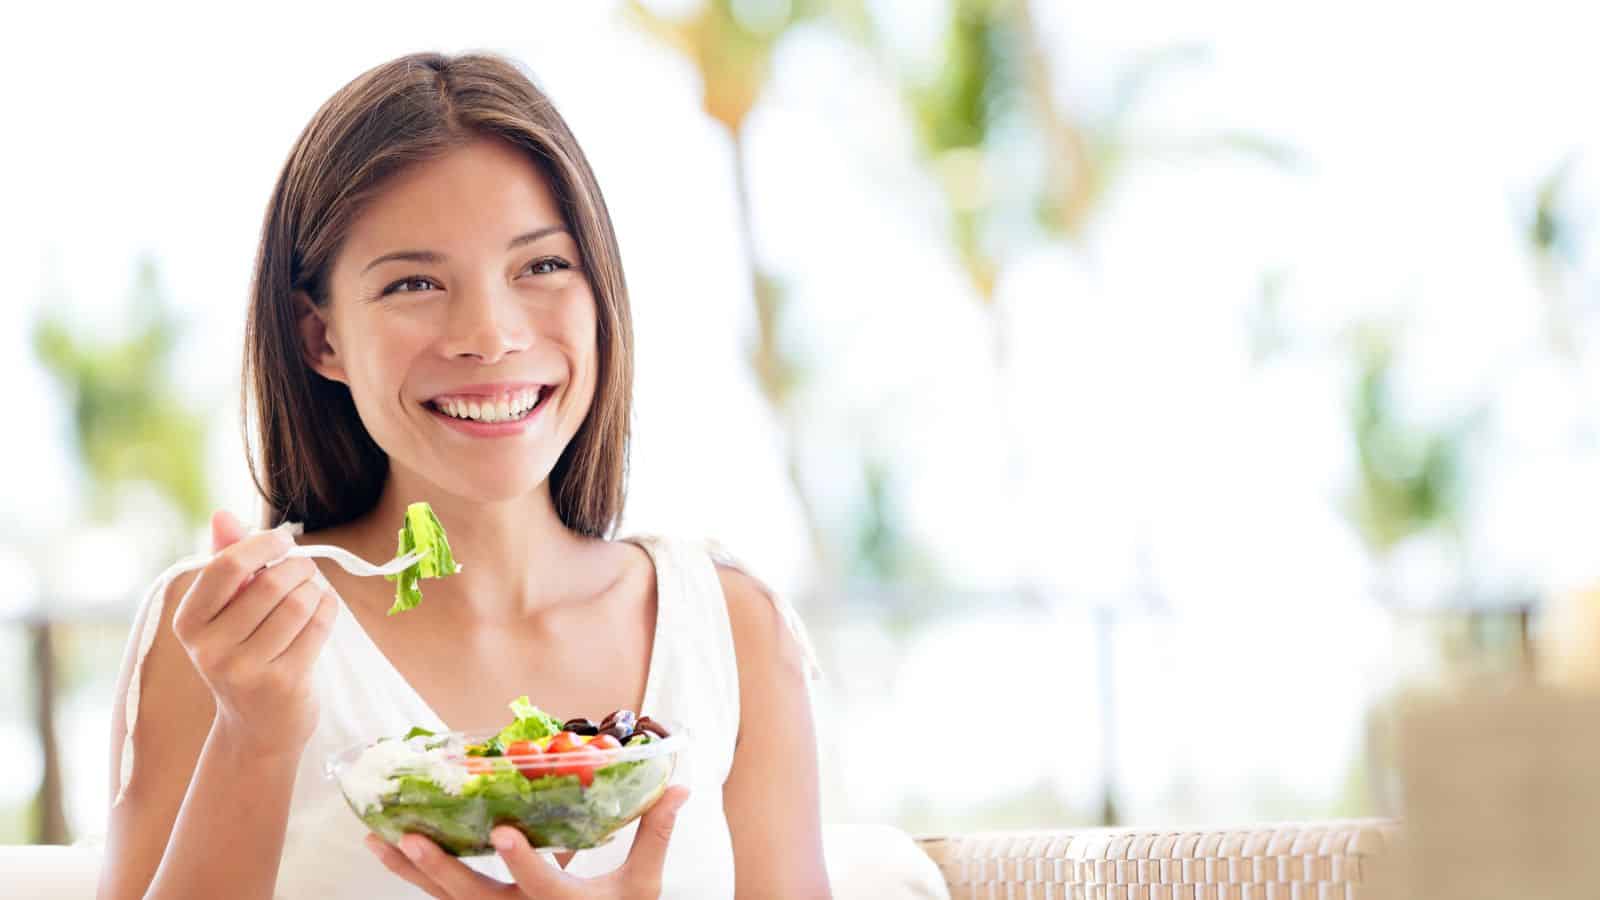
459	301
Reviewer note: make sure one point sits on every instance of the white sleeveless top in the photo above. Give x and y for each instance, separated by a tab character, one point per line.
693	679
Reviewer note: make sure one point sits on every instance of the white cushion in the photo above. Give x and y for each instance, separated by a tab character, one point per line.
49	873
878	862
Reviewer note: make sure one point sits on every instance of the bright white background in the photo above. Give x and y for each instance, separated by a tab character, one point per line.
1152	454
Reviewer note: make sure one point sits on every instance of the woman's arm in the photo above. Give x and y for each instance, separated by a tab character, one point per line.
206	808
771	796
225	815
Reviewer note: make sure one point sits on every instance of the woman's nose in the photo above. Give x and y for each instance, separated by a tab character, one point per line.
484	325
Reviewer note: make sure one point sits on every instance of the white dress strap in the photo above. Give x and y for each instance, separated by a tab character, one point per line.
153	605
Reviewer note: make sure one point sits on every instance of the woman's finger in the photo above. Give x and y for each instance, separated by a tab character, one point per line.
225	575
449	873
261	599
279	629
649	852
225	530
534	874
396	862
307	644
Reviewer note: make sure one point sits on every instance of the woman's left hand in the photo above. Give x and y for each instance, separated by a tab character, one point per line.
443	876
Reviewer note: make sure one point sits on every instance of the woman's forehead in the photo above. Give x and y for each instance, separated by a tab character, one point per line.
473	197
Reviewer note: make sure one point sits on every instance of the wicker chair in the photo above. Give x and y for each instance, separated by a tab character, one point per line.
1306	861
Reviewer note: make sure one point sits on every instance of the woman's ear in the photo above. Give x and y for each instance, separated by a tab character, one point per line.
317	342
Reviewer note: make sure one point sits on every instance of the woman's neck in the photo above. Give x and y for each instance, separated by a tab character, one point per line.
517	557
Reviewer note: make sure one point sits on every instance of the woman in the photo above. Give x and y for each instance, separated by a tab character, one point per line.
439	314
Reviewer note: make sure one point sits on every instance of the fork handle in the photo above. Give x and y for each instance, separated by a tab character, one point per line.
350	562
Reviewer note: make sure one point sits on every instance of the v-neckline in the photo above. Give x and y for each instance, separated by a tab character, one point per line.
652	679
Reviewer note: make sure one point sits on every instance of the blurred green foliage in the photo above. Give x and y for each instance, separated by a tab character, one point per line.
128	417
1410	475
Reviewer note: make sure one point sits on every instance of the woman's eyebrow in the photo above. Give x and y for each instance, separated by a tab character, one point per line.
433	257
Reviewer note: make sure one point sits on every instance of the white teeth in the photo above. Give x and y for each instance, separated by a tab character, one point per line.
504	409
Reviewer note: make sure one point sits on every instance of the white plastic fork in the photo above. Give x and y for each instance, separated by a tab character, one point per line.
346	560
350	562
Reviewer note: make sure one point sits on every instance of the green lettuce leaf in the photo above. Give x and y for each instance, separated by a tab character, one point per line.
421	531
532	723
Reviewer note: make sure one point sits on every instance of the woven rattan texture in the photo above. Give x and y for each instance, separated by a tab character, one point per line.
1317	861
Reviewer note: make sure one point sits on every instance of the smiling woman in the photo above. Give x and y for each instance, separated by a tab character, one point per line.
524	316
439	315
390	130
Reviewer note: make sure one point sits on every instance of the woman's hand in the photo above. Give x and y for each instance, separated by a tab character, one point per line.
253	633
443	876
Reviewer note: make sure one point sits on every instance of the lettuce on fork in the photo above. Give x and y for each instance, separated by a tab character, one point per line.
421	531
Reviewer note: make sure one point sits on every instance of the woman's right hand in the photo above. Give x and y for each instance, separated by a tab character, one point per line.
253	632
421	862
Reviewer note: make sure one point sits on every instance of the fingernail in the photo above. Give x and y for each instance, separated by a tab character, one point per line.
501	840
411	850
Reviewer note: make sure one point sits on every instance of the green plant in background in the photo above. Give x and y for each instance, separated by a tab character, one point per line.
1552	241
994	80
1411	481
128	426
1410	477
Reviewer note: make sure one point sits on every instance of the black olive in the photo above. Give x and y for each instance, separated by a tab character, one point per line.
581	726
619	724
651	725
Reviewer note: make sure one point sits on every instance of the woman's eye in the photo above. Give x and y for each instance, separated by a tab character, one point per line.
548	265
396	287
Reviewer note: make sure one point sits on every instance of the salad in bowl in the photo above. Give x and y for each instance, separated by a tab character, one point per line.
566	786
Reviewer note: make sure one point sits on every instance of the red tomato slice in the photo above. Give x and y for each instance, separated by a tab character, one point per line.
564	742
572	757
579	763
527	757
605	742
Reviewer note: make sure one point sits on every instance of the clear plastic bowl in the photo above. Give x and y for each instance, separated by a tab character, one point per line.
423	785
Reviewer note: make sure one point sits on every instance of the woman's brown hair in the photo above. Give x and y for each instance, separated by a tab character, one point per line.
313	461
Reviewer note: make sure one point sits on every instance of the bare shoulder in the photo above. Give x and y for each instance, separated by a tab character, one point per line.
763	642
175	710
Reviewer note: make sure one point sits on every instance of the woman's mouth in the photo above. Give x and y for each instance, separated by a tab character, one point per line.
490	415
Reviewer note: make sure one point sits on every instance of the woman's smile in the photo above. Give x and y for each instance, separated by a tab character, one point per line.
491	410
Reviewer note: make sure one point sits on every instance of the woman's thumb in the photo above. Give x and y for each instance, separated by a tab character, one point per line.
225	530
649	852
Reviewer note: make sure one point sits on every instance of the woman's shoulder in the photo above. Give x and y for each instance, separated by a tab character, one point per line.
767	631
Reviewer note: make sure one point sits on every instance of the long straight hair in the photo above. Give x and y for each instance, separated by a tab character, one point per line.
312	460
